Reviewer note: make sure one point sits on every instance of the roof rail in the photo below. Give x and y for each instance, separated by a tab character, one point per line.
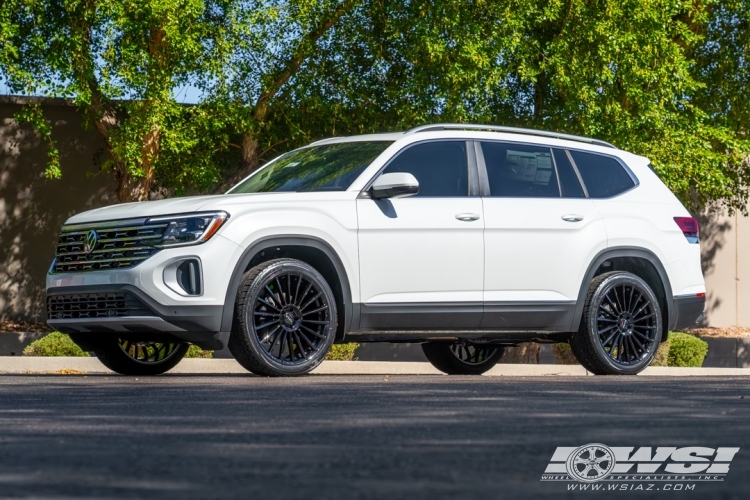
509	130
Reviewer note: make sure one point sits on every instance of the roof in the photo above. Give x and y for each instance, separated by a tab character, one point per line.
462	127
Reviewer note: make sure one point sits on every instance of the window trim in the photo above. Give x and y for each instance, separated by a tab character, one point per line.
484	181
471	170
578	174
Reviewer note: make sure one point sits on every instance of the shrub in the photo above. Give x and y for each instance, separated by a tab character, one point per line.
196	352
661	358
563	354
342	352
54	344
686	350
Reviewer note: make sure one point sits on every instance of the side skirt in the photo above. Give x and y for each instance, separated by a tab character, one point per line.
479	336
515	321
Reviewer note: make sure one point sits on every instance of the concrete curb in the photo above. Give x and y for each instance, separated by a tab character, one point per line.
42	365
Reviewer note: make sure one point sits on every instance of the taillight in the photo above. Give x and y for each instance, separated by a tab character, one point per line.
689	227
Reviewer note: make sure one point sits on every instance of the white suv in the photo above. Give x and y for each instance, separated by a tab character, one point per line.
465	238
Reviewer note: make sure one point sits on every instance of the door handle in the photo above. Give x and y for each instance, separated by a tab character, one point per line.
572	218
467	217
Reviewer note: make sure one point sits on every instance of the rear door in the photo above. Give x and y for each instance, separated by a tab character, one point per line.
422	257
541	233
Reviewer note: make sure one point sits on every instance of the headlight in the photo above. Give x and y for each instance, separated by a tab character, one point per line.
189	229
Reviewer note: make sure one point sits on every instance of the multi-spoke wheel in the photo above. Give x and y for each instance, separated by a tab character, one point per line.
285	319
139	357
462	358
621	325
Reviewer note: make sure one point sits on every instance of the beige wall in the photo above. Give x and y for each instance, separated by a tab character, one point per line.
33	208
725	245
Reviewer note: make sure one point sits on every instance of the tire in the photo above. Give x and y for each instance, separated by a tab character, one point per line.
461	358
284	319
139	358
621	326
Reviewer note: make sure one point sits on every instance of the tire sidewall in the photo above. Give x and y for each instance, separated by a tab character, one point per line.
442	357
248	330
592	324
110	354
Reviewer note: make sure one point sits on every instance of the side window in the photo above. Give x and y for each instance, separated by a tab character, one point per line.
516	170
603	176
440	168
569	183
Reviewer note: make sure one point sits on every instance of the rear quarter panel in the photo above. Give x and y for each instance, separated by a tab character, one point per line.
644	217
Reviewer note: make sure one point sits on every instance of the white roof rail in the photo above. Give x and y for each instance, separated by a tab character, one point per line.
509	130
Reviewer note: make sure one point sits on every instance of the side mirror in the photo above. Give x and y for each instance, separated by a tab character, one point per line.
395	185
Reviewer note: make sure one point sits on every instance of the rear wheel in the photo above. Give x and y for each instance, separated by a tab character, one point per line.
462	358
621	326
143	357
285	319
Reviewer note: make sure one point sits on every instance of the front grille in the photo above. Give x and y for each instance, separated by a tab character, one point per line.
95	305
106	246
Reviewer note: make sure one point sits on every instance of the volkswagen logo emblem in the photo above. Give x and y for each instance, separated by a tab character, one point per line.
89	243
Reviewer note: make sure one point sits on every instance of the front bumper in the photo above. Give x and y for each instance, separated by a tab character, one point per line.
195	319
687	310
198	324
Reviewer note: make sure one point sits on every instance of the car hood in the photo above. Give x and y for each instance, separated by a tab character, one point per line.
227	202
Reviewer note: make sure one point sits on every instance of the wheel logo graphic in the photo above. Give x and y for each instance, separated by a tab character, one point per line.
92	238
590	463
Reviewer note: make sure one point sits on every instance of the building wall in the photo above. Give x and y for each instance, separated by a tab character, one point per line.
33	208
725	245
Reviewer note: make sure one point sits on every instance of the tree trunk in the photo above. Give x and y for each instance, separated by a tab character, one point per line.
131	188
249	163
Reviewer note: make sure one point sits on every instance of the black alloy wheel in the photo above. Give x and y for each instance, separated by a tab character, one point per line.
148	352
462	358
139	357
472	354
621	325
285	319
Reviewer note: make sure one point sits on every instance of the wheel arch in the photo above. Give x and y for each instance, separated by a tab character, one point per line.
309	249
639	261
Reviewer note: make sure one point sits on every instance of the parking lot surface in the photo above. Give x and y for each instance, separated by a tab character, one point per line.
349	436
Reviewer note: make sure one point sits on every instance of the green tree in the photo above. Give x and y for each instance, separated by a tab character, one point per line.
638	73
662	78
120	62
272	40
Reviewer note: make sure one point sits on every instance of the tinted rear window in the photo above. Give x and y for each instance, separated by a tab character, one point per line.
439	166
603	176
515	170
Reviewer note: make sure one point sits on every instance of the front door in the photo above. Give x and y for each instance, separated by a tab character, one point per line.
422	257
541	233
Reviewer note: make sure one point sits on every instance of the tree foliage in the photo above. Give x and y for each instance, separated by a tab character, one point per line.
662	78
642	74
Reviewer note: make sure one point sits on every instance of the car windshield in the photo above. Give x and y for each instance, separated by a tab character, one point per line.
331	167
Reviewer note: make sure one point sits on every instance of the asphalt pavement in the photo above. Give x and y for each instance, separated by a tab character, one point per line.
330	437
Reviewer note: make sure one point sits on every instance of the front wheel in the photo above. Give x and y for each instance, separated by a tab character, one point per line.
621	326
285	319
140	358
462	358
